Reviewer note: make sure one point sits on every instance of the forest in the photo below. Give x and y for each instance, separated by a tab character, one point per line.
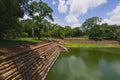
40	24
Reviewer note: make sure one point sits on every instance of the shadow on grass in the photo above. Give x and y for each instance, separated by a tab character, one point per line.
7	43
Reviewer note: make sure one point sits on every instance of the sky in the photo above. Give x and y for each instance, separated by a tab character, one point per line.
75	12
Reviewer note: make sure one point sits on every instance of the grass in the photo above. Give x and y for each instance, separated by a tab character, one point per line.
75	44
19	41
81	38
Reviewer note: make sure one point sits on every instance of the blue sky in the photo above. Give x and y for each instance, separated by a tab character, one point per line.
75	12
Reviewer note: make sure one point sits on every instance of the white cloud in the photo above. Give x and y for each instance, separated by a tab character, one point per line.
78	8
114	16
71	19
62	7
54	2
76	25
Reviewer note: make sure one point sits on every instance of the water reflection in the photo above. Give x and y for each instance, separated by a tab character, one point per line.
109	71
87	64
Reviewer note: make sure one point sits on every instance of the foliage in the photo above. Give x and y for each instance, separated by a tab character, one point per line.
27	26
68	31
90	22
10	11
40	26
40	13
77	32
110	31
24	34
95	32
57	31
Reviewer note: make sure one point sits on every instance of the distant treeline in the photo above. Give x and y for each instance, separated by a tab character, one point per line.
95	31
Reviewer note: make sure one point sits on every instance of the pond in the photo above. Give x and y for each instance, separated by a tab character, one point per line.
87	64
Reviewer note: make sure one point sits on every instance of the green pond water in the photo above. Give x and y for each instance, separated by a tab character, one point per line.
87	64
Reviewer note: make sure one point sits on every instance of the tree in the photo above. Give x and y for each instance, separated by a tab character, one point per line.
40	12
89	23
27	26
68	31
110	31
77	32
10	11
45	30
95	32
57	31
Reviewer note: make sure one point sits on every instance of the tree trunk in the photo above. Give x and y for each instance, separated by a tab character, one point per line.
39	35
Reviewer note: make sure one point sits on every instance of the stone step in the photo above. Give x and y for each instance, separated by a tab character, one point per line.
30	65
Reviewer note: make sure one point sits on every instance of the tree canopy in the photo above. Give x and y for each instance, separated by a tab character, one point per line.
10	11
40	13
90	22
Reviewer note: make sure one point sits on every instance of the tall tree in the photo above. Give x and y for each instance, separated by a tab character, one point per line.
90	22
40	12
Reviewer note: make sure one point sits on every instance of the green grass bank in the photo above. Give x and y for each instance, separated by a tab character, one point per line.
76	44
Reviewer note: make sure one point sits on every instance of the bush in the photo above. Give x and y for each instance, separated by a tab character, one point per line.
24	34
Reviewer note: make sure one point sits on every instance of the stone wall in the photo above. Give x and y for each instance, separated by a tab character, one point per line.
29	65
